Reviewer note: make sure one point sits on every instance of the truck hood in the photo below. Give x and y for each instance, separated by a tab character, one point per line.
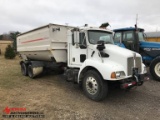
119	52
145	44
121	58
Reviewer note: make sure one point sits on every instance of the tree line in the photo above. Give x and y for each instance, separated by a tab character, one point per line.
11	51
10	36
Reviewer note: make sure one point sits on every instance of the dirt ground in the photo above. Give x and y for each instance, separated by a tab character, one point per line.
59	99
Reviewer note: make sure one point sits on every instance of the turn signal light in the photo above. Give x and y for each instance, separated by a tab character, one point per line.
113	75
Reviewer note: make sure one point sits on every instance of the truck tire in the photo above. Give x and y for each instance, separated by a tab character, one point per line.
155	68
94	86
24	69
30	71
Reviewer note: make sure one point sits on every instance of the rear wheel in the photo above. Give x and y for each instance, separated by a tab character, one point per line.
24	69
94	86
30	71
155	68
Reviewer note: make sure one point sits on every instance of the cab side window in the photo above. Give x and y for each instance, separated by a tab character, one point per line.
117	37
128	39
73	39
128	36
82	39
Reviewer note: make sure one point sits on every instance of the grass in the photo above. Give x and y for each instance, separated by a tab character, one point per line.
14	87
41	94
10	73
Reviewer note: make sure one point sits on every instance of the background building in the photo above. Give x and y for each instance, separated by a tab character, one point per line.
153	36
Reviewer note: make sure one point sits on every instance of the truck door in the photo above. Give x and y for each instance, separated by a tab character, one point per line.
129	40
78	51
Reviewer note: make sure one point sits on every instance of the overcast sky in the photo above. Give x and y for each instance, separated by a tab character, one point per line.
24	15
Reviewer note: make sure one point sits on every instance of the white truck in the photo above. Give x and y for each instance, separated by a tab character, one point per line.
87	55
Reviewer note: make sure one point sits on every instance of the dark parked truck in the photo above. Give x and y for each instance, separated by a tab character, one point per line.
134	39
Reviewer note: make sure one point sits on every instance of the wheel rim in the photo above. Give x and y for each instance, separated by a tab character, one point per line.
91	85
157	69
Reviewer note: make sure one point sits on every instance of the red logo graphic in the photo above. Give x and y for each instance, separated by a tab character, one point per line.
8	110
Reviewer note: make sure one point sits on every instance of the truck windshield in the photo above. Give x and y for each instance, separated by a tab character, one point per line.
95	35
140	36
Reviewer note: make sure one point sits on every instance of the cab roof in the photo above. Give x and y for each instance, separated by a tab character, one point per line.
127	29
97	28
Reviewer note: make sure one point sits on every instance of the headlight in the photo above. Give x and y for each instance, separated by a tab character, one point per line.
117	74
145	70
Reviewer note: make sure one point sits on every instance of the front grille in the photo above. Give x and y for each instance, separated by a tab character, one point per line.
130	65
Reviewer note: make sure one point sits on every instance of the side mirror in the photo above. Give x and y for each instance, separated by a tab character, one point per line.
145	36
82	40
100	45
76	38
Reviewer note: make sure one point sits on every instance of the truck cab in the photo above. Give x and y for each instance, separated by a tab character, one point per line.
134	39
81	44
93	55
129	37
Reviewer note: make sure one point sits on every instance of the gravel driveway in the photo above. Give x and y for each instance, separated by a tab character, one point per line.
59	99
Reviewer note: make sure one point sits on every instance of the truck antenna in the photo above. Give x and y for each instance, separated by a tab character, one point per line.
136	22
136	19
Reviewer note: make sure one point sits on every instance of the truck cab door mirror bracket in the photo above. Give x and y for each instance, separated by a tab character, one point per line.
100	45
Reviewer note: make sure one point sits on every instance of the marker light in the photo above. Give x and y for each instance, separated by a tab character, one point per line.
113	75
117	74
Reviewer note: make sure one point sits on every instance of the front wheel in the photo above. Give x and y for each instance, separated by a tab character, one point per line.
155	68
94	86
